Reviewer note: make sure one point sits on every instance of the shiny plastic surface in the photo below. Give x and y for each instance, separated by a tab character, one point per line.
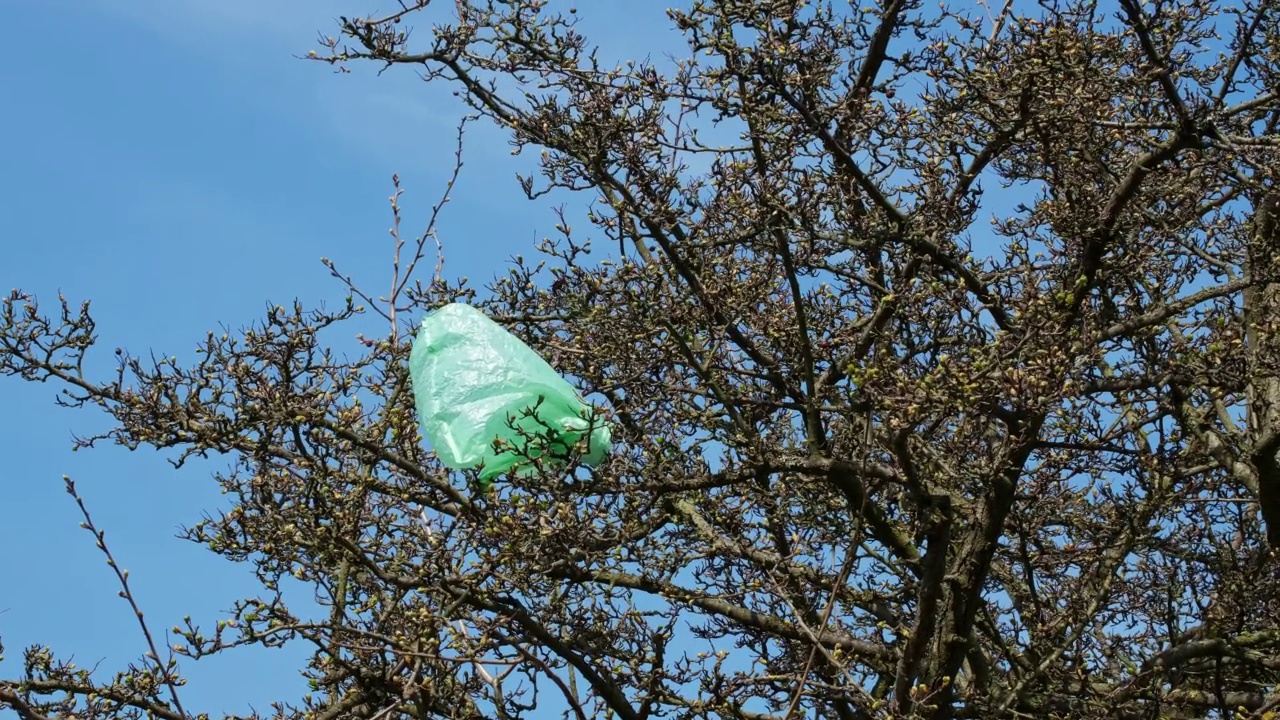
473	380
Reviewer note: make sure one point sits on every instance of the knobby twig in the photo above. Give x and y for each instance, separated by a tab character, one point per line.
126	593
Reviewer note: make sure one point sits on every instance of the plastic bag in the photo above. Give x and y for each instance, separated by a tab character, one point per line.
473	380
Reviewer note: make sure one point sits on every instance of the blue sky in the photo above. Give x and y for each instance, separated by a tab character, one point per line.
176	163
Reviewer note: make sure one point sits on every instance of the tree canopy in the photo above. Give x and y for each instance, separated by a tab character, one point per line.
939	344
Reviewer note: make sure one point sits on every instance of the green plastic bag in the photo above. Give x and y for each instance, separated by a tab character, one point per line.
473	380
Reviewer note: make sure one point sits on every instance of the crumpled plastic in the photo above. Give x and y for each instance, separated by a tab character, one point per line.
473	382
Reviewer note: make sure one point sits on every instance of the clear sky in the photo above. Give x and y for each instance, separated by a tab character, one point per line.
176	163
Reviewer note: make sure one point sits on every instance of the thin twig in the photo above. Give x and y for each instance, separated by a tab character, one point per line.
850	555
127	594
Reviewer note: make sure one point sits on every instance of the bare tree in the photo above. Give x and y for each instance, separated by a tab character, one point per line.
941	349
